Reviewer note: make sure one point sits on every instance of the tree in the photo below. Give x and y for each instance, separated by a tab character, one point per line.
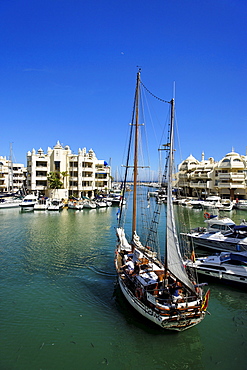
64	174
54	180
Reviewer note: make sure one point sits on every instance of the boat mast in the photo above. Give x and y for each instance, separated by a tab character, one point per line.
136	151
10	182
169	177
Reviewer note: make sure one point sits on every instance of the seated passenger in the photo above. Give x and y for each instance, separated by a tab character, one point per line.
176	296
129	266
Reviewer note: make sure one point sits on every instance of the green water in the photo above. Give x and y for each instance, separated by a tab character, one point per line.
61	309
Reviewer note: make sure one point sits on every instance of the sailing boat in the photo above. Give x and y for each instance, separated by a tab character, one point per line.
162	290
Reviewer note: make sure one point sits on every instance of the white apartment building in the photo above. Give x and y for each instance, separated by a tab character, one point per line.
82	174
226	178
12	176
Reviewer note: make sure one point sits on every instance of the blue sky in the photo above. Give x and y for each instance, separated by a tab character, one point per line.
68	70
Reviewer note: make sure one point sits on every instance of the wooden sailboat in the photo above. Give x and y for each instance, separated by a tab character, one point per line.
160	290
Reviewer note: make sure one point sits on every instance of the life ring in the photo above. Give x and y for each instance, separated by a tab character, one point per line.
206	215
139	293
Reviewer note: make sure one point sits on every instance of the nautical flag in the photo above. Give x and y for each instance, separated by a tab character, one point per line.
205	300
193	256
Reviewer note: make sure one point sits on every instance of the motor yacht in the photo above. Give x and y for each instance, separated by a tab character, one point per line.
219	235
28	202
228	267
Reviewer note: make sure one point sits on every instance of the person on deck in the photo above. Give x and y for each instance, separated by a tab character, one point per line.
129	266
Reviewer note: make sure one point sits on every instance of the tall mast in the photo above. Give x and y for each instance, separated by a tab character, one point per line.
11	169
169	185
136	151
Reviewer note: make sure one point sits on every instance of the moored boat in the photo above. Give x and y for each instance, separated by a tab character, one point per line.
13	202
55	205
241	204
220	235
230	267
41	205
77	205
89	204
28	202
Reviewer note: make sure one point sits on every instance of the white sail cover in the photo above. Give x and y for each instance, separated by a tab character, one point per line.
124	245
174	258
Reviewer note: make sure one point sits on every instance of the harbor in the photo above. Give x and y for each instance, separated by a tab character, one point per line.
61	307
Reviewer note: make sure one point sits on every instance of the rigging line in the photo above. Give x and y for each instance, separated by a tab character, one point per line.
141	132
156	97
123	187
178	138
150	116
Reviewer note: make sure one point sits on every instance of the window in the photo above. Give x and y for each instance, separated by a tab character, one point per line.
57	165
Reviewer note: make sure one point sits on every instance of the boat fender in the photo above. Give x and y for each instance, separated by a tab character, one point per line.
207	215
139	293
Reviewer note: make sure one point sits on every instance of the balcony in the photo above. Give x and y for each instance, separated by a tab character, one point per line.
86	188
224	176
230	186
183	183
237	176
41	178
198	185
73	187
183	175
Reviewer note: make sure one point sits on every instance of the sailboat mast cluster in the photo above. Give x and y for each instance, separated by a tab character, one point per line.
161	291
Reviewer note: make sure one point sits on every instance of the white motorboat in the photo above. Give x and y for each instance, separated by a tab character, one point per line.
228	267
212	202
184	202
197	204
90	204
41	205
220	235
227	205
28	202
10	203
100	203
55	205
77	205
116	200
241	204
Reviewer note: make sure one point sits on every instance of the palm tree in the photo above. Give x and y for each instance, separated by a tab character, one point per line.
54	180
64	174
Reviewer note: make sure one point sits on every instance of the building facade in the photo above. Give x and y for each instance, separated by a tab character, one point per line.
12	176
226	178
82	174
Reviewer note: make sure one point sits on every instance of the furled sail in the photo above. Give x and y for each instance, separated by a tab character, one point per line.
173	254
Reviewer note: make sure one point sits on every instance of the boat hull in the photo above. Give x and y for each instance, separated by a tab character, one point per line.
27	207
9	205
177	323
224	277
217	244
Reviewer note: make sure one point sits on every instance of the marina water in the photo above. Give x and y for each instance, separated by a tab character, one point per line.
61	308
